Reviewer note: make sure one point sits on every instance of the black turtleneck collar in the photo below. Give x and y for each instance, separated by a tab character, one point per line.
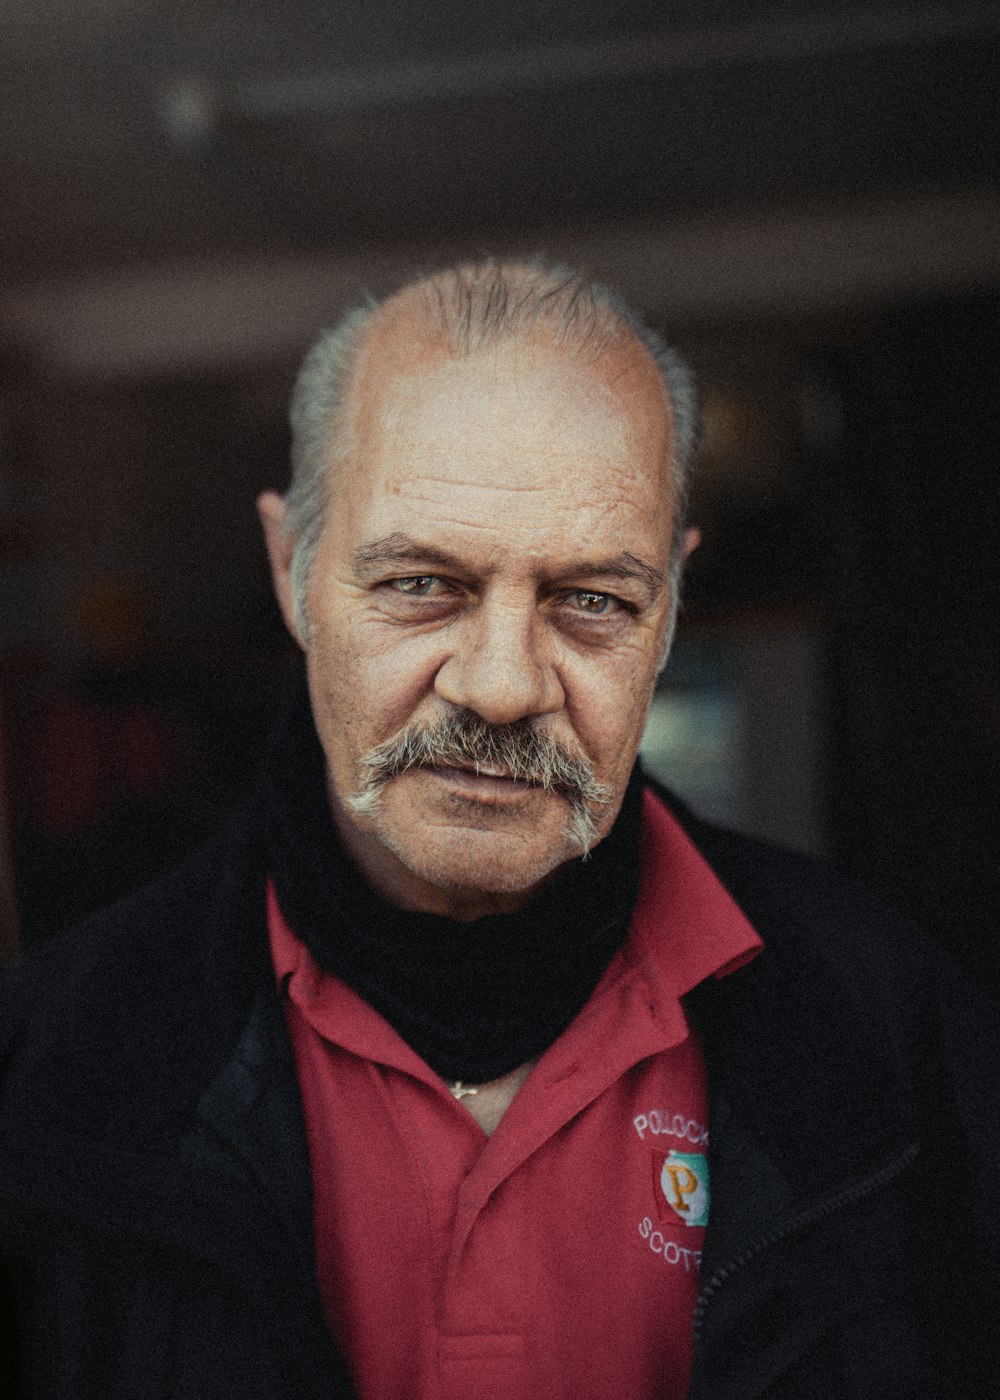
476	999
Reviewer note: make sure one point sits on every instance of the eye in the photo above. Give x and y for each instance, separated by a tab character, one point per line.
594	604
418	585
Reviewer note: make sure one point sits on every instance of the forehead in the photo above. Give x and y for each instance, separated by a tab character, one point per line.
521	435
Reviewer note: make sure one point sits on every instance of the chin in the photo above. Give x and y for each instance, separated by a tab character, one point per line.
482	862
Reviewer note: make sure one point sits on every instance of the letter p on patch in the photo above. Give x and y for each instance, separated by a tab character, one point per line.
681	1185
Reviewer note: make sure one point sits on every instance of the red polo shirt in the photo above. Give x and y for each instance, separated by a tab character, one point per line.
559	1256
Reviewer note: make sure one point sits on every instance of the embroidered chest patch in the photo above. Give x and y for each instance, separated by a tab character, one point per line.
680	1183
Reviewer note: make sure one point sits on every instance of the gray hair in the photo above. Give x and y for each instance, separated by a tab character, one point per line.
471	306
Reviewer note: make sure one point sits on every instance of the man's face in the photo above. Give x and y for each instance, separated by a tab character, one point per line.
497	543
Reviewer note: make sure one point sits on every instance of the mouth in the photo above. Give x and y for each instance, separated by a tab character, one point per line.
488	783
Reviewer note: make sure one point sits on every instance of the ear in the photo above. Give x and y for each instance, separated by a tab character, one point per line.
692	539
280	545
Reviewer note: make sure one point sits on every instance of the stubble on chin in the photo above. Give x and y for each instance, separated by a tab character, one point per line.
461	846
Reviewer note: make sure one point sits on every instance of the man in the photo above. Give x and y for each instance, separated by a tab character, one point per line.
466	1062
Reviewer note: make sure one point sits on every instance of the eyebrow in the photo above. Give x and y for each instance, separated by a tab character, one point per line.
401	548
625	566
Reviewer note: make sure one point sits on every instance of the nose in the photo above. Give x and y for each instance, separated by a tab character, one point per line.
501	666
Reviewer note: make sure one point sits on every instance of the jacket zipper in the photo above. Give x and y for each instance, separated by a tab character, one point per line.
847	1196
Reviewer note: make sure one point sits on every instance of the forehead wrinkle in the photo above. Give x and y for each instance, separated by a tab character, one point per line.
517	487
452	509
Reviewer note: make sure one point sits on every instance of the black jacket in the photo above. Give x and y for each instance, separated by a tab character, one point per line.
154	1186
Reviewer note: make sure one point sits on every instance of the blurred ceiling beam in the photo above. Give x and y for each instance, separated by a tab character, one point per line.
192	107
213	315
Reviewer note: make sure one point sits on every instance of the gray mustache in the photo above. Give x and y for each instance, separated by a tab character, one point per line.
463	739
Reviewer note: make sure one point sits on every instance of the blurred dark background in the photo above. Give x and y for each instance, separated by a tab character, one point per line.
804	196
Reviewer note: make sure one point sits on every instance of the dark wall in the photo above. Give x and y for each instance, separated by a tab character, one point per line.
917	684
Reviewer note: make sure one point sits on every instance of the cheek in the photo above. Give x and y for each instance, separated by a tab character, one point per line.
608	708
370	680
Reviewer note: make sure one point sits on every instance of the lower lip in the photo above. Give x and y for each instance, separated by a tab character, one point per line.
483	788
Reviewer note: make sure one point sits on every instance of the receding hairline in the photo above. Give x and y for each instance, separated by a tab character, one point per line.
464	308
412	329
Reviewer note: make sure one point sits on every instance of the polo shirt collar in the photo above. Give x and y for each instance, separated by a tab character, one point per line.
686	928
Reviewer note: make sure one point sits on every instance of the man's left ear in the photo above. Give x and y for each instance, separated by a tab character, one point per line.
692	539
280	546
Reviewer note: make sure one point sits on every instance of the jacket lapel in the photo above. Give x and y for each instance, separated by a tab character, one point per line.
249	1123
808	1117
251	1111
